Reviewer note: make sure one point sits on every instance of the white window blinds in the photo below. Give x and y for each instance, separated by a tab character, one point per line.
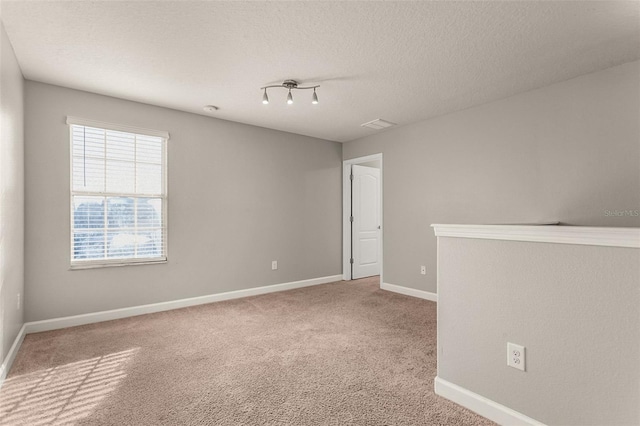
118	195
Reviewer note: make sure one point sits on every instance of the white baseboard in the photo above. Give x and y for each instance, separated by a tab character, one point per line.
410	291
11	355
72	321
481	405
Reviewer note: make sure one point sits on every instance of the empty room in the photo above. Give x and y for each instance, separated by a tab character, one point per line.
319	212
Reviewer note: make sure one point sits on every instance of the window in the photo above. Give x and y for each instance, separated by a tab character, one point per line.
118	194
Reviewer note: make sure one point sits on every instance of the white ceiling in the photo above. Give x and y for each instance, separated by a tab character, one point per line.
400	61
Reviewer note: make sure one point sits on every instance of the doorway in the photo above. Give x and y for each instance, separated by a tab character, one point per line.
362	217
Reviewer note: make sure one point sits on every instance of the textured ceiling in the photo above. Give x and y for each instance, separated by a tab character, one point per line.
400	61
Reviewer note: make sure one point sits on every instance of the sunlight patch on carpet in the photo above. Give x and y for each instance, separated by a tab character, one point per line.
63	394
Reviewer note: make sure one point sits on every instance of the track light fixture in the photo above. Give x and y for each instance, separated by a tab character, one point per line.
290	84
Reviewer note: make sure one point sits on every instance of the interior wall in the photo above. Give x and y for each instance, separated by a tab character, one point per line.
569	152
573	307
11	195
239	197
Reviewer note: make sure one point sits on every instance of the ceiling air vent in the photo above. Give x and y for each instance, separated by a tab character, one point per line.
378	124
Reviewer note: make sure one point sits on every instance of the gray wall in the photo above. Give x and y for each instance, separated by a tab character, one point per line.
239	197
573	307
11	195
566	152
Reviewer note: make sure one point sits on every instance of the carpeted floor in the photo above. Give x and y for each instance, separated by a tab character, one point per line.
345	353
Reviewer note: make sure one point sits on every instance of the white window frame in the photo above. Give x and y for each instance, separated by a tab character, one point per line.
102	263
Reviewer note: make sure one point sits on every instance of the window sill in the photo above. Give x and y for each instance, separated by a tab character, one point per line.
115	263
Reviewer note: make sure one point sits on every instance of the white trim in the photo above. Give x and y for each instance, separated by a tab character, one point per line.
421	294
481	405
117	127
72	321
109	263
346	224
11	355
613	237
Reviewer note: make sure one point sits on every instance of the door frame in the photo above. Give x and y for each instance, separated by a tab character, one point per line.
346	213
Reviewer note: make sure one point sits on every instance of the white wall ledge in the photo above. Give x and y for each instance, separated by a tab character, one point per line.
584	235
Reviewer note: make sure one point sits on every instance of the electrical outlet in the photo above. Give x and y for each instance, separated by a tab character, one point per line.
274	265
19	305
515	356
423	270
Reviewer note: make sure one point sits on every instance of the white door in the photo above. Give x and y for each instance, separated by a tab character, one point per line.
365	228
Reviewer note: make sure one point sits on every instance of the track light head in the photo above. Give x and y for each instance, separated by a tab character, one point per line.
265	98
314	99
289	98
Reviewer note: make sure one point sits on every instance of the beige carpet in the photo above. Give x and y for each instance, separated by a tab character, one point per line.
344	353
